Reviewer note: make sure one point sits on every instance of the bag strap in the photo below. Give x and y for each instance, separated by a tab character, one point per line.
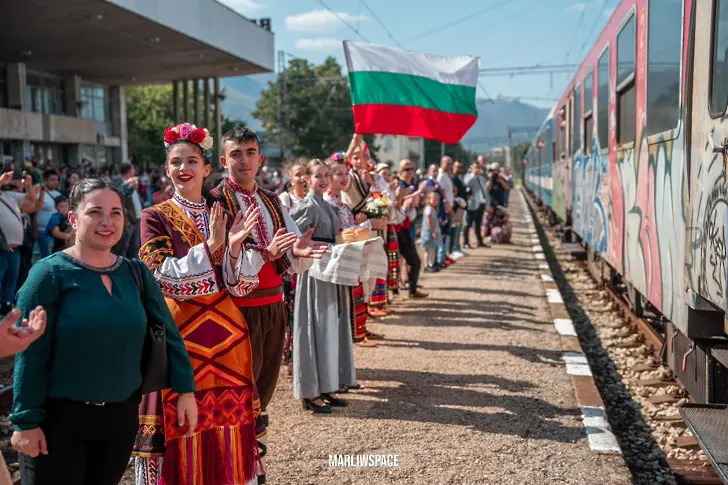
137	272
2	199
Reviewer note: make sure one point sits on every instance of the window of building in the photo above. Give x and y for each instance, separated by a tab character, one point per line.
664	44
603	99
576	121
626	47
719	68
95	104
44	94
388	142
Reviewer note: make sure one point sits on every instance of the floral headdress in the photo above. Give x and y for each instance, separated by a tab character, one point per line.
190	133
340	156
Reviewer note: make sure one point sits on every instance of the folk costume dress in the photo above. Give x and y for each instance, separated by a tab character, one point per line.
323	352
289	200
264	308
358	303
198	286
355	197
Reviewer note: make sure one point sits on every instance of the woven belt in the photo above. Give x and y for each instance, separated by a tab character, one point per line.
264	292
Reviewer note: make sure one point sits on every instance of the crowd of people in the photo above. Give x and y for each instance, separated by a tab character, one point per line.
170	303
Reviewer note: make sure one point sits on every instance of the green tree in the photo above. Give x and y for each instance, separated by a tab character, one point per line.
519	152
149	111
312	114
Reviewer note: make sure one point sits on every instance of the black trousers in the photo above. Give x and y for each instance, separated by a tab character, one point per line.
87	444
408	250
474	219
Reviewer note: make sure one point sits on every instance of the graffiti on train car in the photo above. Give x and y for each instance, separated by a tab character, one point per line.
560	182
589	218
707	261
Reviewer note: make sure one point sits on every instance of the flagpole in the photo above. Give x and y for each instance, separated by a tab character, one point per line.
442	149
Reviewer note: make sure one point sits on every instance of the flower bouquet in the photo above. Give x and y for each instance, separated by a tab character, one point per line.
376	206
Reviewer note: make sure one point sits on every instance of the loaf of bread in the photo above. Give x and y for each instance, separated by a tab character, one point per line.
355	234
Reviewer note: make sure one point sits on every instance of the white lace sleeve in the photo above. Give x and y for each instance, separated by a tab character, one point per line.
188	277
241	275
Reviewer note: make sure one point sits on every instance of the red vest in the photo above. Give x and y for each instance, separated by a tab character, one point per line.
265	293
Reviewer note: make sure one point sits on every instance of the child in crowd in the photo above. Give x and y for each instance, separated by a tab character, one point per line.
430	238
59	229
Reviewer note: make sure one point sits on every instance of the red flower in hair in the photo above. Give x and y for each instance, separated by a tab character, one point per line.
197	136
170	136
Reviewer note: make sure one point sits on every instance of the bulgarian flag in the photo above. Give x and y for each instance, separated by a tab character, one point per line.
400	92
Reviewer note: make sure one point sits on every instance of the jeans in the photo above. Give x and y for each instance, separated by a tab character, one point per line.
409	252
9	270
442	251
455	243
474	219
44	243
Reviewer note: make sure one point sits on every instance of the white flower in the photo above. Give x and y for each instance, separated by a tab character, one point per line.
207	142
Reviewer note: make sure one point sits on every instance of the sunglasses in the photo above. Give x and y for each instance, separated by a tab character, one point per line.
407	169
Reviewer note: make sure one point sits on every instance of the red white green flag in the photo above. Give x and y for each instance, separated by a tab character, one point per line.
401	92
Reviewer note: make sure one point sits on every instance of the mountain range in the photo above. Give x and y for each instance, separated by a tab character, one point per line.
490	130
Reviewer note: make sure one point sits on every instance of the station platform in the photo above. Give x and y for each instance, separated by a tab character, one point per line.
470	386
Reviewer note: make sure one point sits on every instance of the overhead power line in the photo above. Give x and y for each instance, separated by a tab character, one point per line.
356	31
380	23
459	21
594	25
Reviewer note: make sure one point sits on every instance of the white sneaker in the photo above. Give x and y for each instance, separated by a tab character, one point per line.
454	256
459	254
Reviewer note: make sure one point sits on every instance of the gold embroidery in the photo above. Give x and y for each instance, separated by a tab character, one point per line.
181	222
155	251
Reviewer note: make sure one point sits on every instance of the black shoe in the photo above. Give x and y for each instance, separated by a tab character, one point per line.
308	404
343	389
354	387
466	246
334	401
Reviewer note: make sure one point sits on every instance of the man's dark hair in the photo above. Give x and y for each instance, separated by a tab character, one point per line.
49	173
60	199
125	168
240	134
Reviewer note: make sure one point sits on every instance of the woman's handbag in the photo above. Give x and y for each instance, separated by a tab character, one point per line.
155	366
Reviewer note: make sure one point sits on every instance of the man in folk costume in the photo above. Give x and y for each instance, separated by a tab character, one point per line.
282	248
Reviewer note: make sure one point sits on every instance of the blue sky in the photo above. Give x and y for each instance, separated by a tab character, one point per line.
503	33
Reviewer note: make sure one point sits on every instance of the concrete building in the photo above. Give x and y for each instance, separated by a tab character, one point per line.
64	65
392	149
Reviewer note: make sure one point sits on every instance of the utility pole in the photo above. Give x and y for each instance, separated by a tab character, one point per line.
281	75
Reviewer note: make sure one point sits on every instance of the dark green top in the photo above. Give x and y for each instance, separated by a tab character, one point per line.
92	347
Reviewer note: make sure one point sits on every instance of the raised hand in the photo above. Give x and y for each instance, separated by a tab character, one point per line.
282	242
6	177
242	226
15	339
218	227
305	248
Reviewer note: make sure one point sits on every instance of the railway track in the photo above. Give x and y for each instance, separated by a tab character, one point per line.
632	348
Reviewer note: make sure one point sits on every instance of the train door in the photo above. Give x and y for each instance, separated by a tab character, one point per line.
708	219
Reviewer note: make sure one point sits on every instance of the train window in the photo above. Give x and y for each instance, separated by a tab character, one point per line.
626	116
603	100
626	51
576	121
588	93
664	43
588	134
562	131
719	67
625	82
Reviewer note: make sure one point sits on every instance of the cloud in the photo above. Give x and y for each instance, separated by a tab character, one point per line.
320	20
326	44
243	6
577	7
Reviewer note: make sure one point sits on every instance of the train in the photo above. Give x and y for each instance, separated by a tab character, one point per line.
631	162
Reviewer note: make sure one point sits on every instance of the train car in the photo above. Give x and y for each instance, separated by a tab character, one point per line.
539	163
640	169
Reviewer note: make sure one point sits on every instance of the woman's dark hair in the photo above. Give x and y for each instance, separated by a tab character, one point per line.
86	186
